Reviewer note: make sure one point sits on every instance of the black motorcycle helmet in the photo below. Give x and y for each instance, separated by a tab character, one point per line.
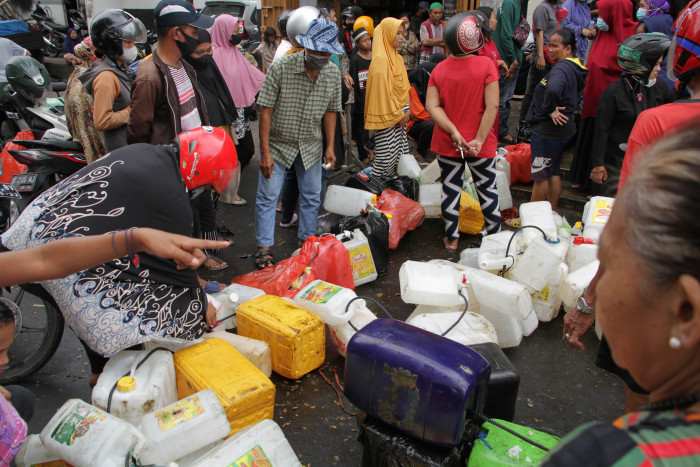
282	22
27	76
352	12
463	33
638	54
112	26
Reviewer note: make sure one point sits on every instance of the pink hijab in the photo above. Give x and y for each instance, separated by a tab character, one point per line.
242	78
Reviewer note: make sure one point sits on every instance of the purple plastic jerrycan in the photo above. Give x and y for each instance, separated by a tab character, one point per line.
415	380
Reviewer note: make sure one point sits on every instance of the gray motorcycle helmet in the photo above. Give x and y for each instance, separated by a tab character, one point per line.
27	76
300	20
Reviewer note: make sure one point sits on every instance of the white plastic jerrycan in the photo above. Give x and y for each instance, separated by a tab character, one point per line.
472	328
580	253
508	329
501	163
363	269
230	298
83	435
257	352
429	284
469	257
145	389
171	343
328	301
430	173
346	201
596	214
529	324
183	427
575	282
539	262
505	199
547	302
341	333
33	453
259	444
538	214
408	166
430	197
492	251
500	294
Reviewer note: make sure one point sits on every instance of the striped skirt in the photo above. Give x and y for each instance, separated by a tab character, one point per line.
389	144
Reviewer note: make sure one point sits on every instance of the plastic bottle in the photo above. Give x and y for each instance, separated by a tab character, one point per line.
499	294
363	269
257	352
538	214
82	434
505	199
342	333
581	253
430	173
230	298
538	263
575	282
346	201
508	329
429	284
596	214
171	343
430	197
261	444
149	388
492	252
547	302
182	428
408	166
471	329
328	301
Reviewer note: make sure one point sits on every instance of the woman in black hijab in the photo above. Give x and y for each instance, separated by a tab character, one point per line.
420	126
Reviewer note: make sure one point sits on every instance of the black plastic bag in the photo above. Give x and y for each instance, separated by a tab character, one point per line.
327	222
368	182
385	446
407	186
375	226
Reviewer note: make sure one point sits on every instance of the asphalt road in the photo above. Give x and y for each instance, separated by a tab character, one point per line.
559	390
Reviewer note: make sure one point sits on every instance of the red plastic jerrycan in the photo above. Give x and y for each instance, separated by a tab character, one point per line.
415	380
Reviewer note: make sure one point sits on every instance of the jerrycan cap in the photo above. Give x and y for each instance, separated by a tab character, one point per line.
578	240
577	225
126	384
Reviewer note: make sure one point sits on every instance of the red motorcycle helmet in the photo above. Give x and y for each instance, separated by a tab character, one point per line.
208	156
685	45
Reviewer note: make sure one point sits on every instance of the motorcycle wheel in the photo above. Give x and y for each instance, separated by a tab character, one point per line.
53	49
8	130
38	331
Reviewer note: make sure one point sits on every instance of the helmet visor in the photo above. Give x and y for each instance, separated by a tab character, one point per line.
133	31
671	59
227	185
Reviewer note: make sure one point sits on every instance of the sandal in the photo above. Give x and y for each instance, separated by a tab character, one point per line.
238	201
220	263
507	140
514	222
263	259
448	248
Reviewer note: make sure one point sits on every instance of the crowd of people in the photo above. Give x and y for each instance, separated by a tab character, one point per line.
596	80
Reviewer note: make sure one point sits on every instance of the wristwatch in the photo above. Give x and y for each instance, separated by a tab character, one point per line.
582	306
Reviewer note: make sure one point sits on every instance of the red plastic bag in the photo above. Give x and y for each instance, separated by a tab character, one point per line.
520	158
406	214
10	166
322	258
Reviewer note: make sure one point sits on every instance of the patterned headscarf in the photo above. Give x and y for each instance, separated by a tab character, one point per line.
657	7
85	52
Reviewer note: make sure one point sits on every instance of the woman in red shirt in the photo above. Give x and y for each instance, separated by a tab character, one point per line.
462	99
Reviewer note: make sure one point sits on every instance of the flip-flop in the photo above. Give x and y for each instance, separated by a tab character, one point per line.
222	264
238	201
261	262
514	222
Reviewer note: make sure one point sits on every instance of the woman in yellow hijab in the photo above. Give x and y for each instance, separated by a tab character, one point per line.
386	102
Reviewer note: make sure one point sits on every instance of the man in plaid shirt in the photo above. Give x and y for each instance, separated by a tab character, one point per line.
300	92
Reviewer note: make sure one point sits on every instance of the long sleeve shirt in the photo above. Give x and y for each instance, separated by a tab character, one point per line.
508	19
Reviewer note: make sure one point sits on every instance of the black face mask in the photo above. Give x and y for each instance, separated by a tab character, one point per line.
201	63
187	47
235	39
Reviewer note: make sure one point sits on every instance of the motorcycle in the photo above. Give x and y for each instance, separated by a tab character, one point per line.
54	33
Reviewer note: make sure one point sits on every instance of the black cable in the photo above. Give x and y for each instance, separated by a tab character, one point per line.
374	300
111	391
481	418
466	305
503	272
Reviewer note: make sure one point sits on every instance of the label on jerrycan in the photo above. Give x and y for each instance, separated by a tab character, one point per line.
254	457
179	412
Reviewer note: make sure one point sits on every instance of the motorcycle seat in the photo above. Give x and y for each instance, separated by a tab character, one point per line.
72	146
58	27
58	87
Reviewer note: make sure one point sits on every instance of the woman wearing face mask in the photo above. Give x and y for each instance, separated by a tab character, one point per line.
578	21
386	101
243	81
653	17
114	34
637	89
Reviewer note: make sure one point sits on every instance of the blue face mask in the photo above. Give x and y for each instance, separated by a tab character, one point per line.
641	13
602	26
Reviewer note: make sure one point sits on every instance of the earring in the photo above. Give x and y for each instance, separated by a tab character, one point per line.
674	343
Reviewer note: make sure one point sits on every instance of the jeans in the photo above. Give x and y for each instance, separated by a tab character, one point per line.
290	192
309	185
507	88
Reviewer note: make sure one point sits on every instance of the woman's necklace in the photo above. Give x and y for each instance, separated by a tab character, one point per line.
675	403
